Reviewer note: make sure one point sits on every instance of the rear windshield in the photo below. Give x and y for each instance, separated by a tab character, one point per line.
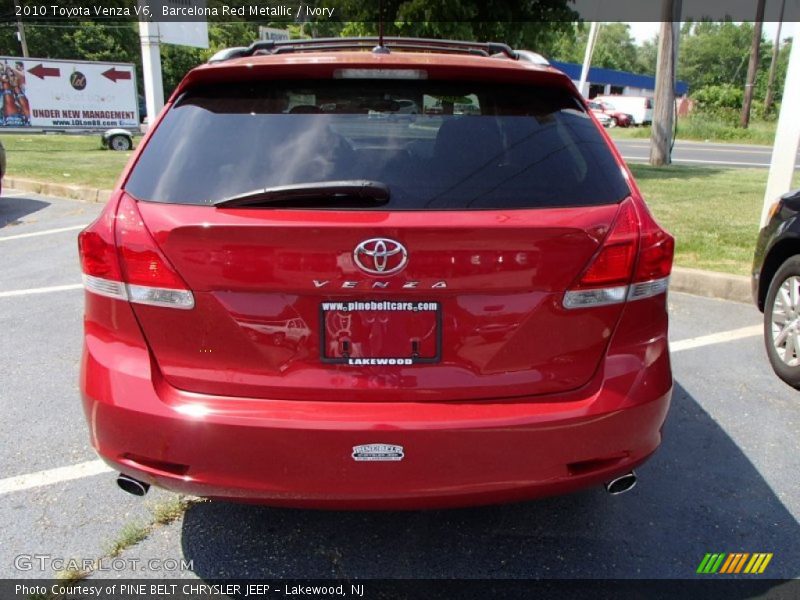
435	145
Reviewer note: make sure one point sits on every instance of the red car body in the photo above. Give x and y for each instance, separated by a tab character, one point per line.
213	364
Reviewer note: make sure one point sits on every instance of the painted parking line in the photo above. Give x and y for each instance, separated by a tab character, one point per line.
41	290
97	467
717	338
52	476
38	233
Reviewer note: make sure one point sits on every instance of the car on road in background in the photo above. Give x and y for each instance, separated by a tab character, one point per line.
640	108
776	286
604	119
316	308
619	118
117	139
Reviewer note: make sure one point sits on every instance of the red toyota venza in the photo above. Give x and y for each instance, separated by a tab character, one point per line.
415	275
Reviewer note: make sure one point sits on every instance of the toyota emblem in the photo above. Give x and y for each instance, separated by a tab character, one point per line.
380	256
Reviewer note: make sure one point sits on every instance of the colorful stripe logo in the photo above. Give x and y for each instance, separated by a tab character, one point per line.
737	562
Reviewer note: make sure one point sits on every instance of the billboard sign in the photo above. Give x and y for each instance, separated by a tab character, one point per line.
62	94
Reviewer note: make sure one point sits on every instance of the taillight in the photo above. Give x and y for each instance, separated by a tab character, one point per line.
633	262
120	259
613	264
99	261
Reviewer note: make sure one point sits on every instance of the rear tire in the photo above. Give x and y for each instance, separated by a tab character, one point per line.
782	322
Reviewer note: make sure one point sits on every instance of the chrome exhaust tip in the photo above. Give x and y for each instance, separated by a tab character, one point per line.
621	484
131	485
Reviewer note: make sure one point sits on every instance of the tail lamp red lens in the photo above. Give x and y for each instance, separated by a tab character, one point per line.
120	259
633	262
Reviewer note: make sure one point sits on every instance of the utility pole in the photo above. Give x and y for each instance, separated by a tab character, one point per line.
21	32
787	134
151	68
752	68
773	65
664	109
587	59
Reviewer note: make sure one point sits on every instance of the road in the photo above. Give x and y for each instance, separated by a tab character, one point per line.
702	153
725	479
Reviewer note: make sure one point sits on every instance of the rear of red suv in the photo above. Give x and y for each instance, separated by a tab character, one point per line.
303	294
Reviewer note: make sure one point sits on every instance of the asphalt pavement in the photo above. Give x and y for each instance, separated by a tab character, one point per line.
701	153
725	479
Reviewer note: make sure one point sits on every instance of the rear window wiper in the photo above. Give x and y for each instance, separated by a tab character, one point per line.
348	193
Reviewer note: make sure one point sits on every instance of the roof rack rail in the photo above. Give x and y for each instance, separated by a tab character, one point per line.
345	43
532	57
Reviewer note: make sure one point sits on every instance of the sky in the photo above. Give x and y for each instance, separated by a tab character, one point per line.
642	31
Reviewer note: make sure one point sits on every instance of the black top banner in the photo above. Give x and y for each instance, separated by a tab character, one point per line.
408	11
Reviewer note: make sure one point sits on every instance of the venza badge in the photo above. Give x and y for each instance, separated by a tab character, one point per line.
380	256
388	452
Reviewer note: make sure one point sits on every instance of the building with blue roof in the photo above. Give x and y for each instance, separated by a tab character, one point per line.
610	82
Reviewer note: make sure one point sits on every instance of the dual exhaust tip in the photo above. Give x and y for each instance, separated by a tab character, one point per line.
617	486
131	485
621	484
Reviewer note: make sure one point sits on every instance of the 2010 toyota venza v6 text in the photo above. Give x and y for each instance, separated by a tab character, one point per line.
411	276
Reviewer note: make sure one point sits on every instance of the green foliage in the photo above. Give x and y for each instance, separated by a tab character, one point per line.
615	48
531	24
717	53
719	96
647	57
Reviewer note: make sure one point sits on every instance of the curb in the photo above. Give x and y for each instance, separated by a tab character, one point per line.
691	281
711	284
59	190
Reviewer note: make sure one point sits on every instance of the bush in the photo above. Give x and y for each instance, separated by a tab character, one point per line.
714	97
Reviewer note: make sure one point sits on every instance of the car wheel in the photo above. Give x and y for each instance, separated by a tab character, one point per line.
782	322
120	142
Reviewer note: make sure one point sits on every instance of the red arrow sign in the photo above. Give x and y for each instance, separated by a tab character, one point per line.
41	71
115	75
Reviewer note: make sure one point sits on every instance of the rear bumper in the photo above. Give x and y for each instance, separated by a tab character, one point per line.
299	453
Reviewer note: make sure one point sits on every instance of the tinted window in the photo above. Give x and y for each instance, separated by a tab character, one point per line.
436	145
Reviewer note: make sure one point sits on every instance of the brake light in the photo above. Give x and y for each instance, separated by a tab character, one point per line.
98	255
656	249
614	263
634	262
120	259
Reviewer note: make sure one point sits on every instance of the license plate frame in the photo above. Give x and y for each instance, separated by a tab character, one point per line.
325	308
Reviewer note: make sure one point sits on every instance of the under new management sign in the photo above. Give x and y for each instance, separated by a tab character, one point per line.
60	94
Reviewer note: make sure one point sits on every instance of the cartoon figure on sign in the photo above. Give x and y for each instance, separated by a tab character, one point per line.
77	80
18	87
12	114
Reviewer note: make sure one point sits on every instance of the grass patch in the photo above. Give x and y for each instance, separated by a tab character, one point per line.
170	510
68	159
131	534
72	574
163	513
705	128
712	212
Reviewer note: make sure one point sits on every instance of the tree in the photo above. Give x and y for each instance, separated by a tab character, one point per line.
647	57
615	48
530	24
716	53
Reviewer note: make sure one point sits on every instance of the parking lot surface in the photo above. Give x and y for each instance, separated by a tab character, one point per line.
725	479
